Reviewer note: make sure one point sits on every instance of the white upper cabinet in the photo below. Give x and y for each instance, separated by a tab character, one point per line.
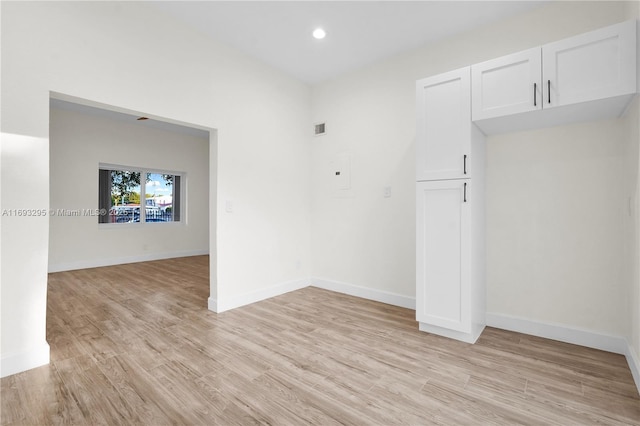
599	64
507	85
586	77
443	142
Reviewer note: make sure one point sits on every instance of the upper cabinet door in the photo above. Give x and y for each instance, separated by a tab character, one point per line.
595	65
443	136
507	85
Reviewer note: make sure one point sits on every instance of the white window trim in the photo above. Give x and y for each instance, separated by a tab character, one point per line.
143	183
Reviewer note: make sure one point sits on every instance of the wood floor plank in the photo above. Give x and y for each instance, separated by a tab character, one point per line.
135	344
97	399
152	403
475	409
204	401
49	400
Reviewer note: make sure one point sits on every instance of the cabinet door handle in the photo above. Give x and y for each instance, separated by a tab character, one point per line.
549	91
465	192
534	93
464	164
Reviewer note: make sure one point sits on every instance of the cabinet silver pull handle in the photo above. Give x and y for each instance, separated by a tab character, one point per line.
464	164
465	192
534	93
549	91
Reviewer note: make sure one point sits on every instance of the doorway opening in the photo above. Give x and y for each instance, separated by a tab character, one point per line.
176	163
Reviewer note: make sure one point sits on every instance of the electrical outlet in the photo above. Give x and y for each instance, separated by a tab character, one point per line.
387	191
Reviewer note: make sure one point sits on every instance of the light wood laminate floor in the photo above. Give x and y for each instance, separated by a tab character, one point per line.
135	344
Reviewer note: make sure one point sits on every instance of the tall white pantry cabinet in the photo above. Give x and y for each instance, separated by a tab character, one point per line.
586	77
450	290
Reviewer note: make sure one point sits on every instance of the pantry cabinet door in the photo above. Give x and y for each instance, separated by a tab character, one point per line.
443	242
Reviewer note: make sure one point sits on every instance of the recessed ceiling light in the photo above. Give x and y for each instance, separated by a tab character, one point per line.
319	33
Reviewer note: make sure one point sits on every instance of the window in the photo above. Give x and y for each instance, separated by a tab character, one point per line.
120	200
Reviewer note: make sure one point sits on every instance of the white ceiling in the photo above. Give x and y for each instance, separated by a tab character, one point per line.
358	32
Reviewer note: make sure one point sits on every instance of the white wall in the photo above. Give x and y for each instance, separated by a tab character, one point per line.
78	143
554	224
631	227
128	55
632	214
571	277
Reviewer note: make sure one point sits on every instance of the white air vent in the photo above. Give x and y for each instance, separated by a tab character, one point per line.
320	129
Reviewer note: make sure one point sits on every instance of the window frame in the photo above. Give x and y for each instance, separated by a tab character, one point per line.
143	184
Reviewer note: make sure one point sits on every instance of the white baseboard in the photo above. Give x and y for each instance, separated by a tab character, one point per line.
576	336
97	263
212	304
559	332
452	334
26	360
217	305
365	293
634	365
